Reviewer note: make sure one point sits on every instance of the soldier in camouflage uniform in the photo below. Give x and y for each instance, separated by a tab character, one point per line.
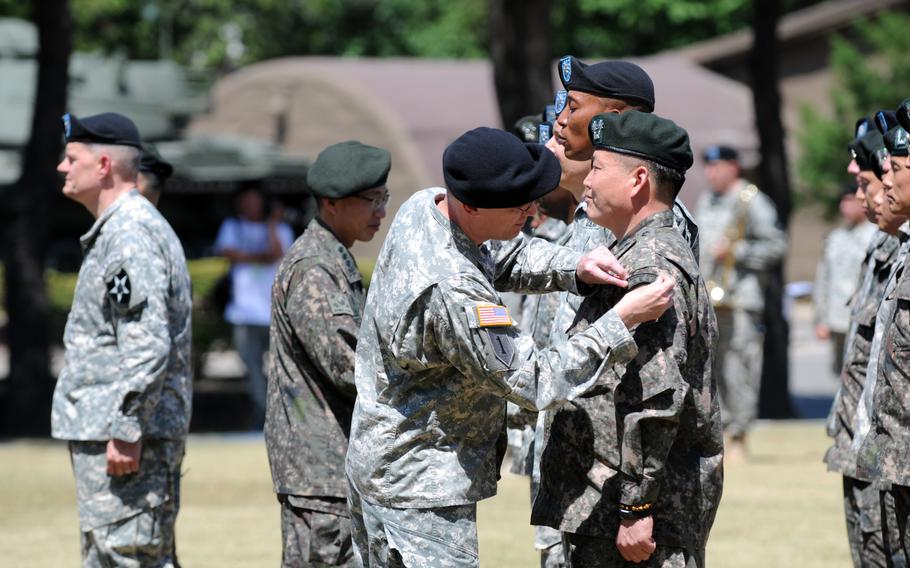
882	453
639	457
438	355
861	497
741	239
123	397
153	174
838	272
317	302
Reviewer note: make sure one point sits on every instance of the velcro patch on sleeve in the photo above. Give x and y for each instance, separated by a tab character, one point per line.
492	315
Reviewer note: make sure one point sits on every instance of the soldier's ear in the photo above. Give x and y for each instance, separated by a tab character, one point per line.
639	179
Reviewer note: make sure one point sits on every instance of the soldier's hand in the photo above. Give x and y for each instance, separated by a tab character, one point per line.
646	303
600	267
722	248
123	457
634	540
822	332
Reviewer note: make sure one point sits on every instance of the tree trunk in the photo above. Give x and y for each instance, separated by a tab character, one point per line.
764	63
520	50
25	233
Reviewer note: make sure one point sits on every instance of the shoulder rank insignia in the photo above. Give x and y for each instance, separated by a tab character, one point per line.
489	315
119	289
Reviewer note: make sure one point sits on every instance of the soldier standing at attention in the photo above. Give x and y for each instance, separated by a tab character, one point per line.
438	355
153	173
862	508
317	302
632	470
123	397
741	239
838	272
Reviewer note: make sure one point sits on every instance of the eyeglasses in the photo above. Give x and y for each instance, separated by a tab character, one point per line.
377	202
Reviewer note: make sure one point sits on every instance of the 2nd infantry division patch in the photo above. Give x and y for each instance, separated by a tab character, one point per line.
119	289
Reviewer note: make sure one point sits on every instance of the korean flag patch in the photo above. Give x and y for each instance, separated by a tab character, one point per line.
120	290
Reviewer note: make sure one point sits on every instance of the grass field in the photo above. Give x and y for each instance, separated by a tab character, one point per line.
779	510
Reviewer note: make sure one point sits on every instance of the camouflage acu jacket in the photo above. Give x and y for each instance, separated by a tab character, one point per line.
434	371
650	432
127	373
839	272
877	266
763	244
882	457
317	301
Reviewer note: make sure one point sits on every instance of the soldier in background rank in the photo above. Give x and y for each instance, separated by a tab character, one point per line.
632	470
153	174
838	272
317	302
123	397
741	239
438	355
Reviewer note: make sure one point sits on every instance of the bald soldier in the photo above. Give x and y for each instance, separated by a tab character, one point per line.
632	470
123	397
317	302
438	355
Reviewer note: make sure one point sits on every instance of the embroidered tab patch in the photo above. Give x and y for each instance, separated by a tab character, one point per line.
489	315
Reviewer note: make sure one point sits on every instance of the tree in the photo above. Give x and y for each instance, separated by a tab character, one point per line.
871	72
764	64
24	231
520	51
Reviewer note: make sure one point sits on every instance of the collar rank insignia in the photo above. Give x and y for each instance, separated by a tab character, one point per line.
119	289
565	66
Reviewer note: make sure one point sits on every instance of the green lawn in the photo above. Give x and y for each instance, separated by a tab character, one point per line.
780	510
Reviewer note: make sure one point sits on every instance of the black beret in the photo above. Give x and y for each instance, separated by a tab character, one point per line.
867	150
152	162
346	168
526	128
644	135
622	80
720	152
903	115
885	120
897	142
491	169
105	128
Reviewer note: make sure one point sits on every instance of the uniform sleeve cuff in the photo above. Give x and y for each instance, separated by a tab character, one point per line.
126	428
617	336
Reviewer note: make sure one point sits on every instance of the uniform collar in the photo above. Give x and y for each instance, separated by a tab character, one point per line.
654	221
89	238
331	243
479	256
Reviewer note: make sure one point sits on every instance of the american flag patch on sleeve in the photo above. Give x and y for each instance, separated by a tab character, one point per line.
489	315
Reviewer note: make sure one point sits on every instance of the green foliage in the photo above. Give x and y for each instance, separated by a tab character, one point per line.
228	33
871	72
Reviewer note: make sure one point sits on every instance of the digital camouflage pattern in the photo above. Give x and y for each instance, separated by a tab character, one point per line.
439	537
432	383
839	272
877	265
127	375
650	432
317	303
741	333
127	371
763	244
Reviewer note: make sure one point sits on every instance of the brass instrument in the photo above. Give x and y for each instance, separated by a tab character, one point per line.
719	284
